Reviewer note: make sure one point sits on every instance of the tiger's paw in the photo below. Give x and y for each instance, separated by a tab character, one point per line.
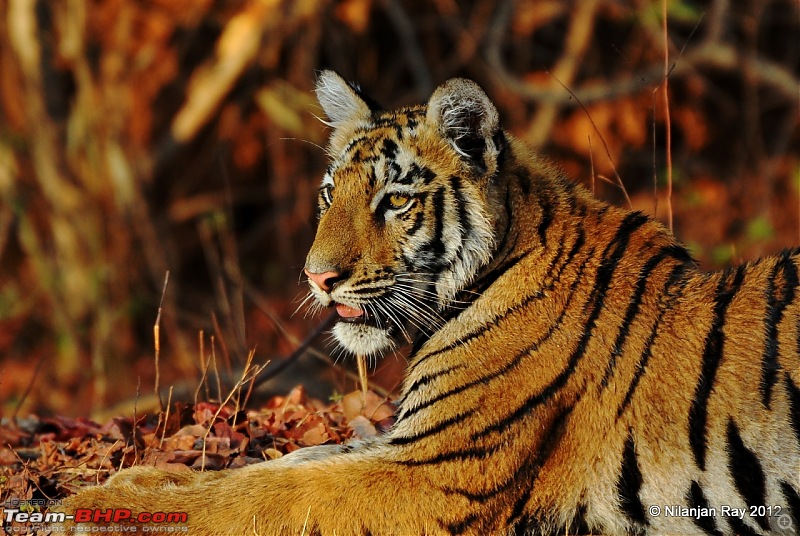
143	496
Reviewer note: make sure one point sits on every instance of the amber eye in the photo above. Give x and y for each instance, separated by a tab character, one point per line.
398	200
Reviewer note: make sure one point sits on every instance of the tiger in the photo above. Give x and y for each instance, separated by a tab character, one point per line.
571	369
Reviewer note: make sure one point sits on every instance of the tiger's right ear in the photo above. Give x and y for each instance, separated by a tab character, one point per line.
341	101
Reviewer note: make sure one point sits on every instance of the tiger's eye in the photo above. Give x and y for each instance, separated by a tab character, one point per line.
399	200
327	193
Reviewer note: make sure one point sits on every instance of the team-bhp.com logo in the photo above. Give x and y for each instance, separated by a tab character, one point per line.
114	516
123	515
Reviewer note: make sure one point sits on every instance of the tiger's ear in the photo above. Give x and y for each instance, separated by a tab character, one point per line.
342	101
469	121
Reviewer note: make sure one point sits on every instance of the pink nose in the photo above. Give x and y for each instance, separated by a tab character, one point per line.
325	280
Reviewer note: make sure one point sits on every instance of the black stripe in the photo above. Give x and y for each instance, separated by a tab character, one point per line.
527	472
422	381
487	280
416	174
546	207
419	219
461	204
557	383
519	307
427	175
354	143
528	524
747	472
508	366
456	455
793	501
372	104
373	177
797	334
503	264
497	373
386	120
794	407
438	427
712	353
436	245
605	272
697	499
420	340
550	274
509	211
777	300
524	181
409	177
578	524
550	440
389	149
676	276
629	482
739	528
461	526
576	247
633	308
458	389
520	503
524	526
393	173
609	262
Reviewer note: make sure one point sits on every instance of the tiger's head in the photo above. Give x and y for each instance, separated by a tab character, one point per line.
404	222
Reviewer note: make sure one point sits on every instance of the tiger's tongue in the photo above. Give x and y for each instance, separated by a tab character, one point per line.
345	311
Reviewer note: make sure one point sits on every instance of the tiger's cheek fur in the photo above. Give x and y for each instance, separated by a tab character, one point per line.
449	238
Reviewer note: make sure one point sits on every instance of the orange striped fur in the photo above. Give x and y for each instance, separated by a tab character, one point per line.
572	369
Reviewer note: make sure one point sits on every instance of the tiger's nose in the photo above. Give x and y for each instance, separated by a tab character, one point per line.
325	280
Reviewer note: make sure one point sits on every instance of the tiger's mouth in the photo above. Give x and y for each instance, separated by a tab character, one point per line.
362	333
356	315
350	314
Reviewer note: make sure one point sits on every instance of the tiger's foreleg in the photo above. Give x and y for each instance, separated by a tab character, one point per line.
348	493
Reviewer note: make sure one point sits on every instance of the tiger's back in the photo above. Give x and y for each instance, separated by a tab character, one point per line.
571	369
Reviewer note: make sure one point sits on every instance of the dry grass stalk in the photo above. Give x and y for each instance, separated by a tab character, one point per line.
27	390
618	183
204	362
136	418
165	419
362	376
214	366
239	404
591	162
224	347
157	343
248	374
667	120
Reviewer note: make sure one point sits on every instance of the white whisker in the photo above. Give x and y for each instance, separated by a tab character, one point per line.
395	308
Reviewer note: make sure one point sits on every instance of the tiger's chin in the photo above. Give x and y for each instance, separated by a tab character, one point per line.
363	339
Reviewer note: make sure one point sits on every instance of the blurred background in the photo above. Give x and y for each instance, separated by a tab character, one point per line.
146	137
